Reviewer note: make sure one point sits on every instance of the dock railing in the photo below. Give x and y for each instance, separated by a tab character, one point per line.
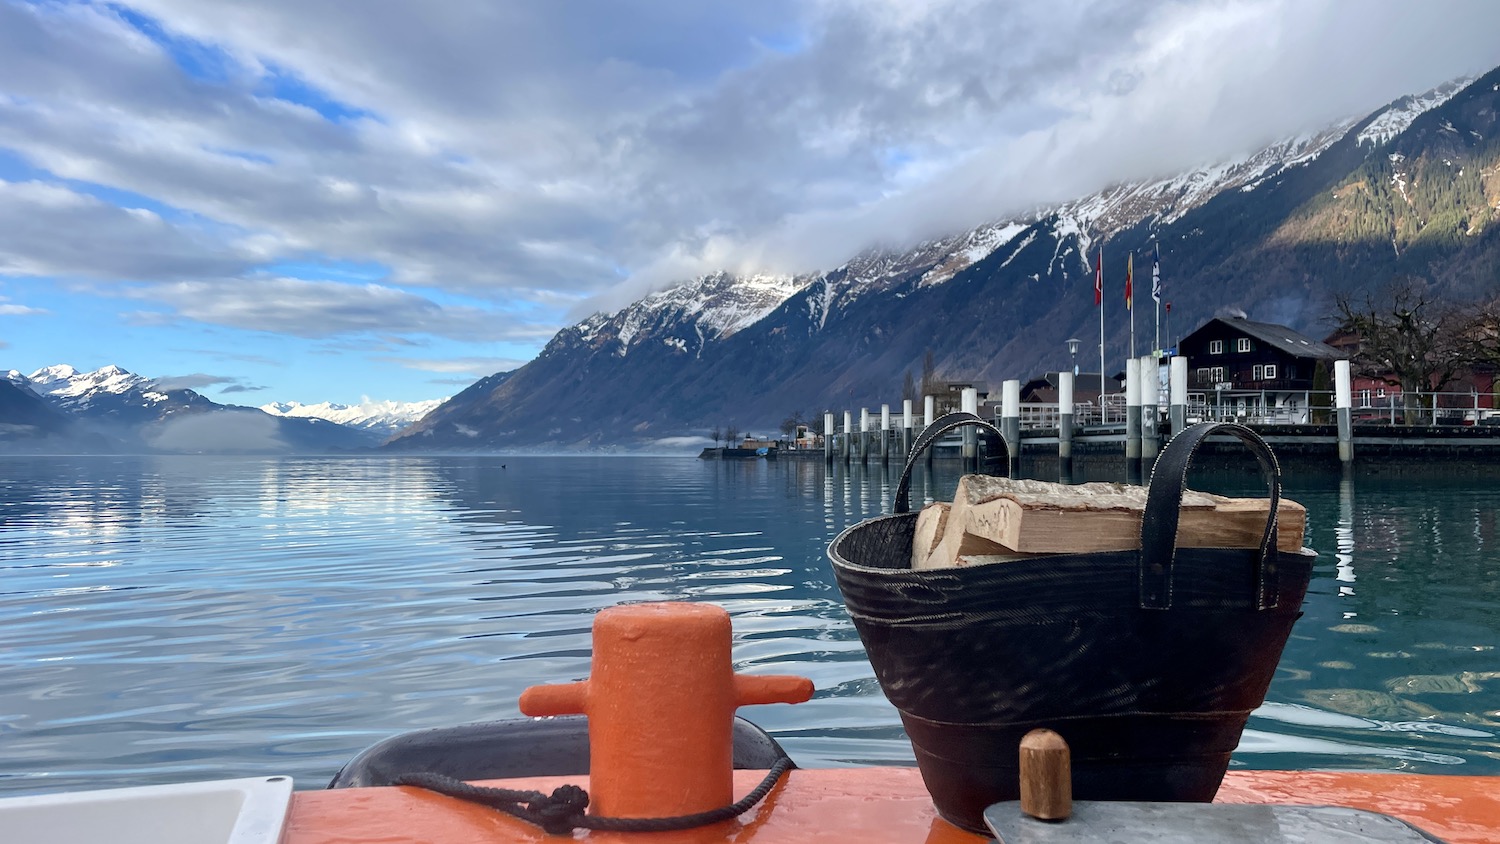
1308	407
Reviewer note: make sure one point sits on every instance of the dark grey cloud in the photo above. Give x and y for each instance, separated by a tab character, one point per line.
240	388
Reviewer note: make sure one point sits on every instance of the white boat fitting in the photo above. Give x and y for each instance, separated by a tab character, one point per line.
251	810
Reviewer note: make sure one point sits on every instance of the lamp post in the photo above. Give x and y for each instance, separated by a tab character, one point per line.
1073	350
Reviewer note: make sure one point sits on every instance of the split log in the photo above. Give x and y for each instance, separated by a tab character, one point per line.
995	519
930	524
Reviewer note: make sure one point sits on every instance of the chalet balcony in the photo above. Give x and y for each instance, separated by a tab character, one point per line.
1232	383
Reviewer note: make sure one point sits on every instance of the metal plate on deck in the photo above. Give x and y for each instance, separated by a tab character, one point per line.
1193	823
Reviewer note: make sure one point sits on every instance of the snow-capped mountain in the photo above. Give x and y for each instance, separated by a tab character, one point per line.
690	315
111	392
112	409
386	417
1275	233
1398	115
713	307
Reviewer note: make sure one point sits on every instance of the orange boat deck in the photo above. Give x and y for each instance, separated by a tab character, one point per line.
865	804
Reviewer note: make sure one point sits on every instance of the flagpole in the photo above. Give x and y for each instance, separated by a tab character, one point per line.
1156	286
1101	332
1129	299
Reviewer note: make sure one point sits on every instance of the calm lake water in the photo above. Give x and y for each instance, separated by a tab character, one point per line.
167	619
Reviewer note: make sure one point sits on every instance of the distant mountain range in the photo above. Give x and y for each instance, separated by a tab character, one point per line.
58	408
1413	189
381	417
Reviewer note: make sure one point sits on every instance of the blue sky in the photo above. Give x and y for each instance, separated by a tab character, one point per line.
284	201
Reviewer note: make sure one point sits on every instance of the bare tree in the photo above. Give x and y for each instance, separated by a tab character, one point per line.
909	387
1407	337
1480	336
790	424
929	375
731	436
717	434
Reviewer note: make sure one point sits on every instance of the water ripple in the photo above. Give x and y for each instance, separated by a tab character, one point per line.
176	618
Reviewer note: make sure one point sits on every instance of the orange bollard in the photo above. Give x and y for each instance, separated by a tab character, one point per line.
660	702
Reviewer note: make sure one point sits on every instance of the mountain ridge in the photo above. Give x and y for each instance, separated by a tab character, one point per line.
112	410
998	300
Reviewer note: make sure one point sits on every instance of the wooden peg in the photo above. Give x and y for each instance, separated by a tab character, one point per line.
1046	776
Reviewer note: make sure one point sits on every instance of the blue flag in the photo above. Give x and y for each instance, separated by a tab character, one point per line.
1156	272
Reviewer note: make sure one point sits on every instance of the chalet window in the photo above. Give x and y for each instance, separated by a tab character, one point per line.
1203	374
1216	347
1242	344
1270	371
1257	372
1217	374
1364	398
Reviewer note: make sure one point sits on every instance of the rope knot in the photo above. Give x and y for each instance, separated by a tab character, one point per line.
560	812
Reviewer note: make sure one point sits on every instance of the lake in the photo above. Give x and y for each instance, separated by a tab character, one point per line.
179	618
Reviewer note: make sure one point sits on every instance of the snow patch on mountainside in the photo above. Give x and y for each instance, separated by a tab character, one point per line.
971	248
71	388
1399	115
370	415
1168	200
711	307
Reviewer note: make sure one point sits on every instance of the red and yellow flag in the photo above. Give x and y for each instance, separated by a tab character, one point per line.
1099	278
1129	271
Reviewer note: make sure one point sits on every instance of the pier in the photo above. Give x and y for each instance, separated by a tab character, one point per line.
1337	426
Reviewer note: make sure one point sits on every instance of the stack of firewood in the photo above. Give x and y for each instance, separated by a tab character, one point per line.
993	520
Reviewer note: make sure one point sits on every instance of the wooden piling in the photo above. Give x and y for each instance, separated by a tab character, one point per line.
969	403
1177	394
1150	410
864	435
885	433
906	421
1344	403
929	411
1065	426
1010	423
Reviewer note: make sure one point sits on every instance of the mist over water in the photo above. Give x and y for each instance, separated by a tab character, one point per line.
165	619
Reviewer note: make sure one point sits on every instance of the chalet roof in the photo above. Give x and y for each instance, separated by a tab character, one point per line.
1281	337
1083	382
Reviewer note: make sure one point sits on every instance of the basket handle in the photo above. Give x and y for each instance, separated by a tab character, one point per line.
1164	506
930	434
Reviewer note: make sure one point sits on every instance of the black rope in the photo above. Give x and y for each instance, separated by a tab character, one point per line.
562	811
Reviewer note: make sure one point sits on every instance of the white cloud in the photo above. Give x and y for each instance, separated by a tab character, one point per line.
319	309
542	153
20	310
48	229
459	366
194	381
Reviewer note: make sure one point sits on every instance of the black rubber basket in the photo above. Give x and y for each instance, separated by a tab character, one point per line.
1147	662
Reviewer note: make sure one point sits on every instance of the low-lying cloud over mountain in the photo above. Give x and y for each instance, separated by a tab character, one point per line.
1413	189
58	408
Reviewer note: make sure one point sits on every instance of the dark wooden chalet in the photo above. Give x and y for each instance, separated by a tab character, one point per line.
1236	356
949	395
1086	385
